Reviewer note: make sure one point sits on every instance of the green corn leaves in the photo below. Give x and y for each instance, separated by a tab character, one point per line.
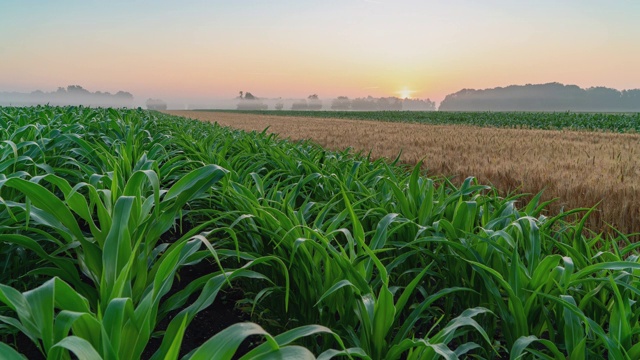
334	254
620	122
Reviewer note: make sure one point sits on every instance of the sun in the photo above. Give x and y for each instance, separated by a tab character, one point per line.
405	93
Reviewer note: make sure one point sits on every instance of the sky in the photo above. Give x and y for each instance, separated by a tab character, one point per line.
197	50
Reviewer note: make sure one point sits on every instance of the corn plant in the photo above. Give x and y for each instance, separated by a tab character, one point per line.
337	254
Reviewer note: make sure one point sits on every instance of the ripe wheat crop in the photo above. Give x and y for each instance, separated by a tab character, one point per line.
578	168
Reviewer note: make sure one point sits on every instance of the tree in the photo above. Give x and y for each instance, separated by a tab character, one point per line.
77	95
300	105
124	95
250	102
156	104
314	102
77	89
538	97
341	103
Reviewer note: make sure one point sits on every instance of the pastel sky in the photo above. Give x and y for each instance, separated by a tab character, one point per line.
213	49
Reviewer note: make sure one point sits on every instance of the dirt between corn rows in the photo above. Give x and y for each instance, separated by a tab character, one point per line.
581	169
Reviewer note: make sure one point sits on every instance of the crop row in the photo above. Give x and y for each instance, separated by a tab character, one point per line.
338	255
614	122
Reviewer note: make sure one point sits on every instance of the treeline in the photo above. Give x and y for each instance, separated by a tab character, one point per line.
384	104
312	102
156	104
250	102
342	103
71	95
543	97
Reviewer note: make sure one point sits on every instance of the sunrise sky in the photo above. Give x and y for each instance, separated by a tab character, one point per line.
213	49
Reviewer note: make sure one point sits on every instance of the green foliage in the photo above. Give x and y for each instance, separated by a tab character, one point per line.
338	255
614	122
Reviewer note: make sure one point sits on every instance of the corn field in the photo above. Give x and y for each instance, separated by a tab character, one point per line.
336	255
580	121
576	168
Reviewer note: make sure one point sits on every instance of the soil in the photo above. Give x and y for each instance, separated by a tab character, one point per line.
217	317
25	346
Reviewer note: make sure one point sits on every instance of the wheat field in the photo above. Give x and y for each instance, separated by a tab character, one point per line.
580	169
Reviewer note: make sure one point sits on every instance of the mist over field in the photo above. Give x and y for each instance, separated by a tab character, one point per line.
200	55
543	97
71	95
530	97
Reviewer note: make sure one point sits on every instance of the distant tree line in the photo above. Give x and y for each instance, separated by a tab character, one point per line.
250	102
71	95
312	102
382	104
247	101
543	97
156	104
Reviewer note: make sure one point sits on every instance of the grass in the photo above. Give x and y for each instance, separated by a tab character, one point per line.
337	255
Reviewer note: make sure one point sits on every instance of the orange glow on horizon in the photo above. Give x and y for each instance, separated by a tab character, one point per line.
290	50
405	93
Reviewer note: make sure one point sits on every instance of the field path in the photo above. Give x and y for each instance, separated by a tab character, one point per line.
579	168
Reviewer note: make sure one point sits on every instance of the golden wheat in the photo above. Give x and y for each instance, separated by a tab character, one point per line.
581	169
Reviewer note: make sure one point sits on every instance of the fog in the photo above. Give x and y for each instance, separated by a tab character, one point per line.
71	95
77	95
541	97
